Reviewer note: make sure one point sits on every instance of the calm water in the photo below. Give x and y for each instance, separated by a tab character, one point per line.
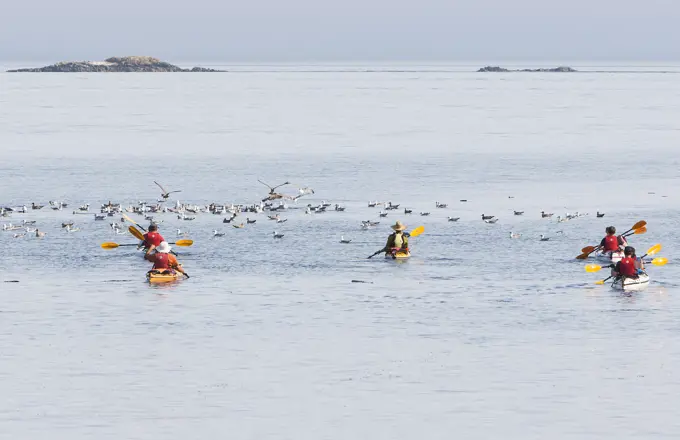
478	336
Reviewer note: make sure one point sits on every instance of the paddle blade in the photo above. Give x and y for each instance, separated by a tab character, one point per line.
582	256
590	268
639	224
599	283
660	261
654	249
109	245
417	231
588	249
184	242
134	231
641	230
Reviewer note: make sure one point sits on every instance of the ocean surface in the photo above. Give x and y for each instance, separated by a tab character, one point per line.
477	336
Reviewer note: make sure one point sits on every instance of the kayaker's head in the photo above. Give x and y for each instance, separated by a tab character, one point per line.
163	248
153	227
629	251
611	230
398	227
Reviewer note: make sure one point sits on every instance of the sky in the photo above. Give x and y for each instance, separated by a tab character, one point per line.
347	30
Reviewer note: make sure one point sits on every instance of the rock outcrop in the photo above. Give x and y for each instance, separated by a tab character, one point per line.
500	69
116	64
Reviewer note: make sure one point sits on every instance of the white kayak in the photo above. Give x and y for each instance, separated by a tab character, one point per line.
609	257
631	284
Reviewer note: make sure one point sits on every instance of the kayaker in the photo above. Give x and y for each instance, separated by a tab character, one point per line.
612	243
152	239
398	240
630	266
163	260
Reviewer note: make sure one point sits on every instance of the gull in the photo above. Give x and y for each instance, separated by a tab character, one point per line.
239	226
518	212
454	219
98	217
487	217
30	230
515	235
545	214
273	195
440	205
39	234
165	193
34	206
407	211
491	221
218	234
85	207
70	229
20	235
424	214
339	208
372	204
544	238
249	221
342	240
29	222
277	235
281	220
600	214
382	214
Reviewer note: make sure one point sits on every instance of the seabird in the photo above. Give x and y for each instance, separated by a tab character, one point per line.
487	217
453	219
518	212
440	205
218	234
491	221
277	235
165	194
544	238
600	214
424	214
515	235
342	240
545	214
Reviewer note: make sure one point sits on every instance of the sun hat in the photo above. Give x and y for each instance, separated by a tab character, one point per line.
163	248
398	226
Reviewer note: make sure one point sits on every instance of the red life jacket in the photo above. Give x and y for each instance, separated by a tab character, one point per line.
161	261
153	239
627	267
611	243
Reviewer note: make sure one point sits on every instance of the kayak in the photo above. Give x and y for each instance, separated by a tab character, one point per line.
400	255
609	257
631	284
156	276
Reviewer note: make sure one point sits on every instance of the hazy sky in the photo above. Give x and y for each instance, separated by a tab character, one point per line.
306	30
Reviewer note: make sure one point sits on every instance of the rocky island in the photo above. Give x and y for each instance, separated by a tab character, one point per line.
116	64
500	69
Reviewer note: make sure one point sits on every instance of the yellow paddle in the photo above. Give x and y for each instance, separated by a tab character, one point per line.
111	245
134	231
414	233
639	228
133	222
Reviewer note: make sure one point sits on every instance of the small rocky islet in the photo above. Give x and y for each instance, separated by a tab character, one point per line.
116	64
559	69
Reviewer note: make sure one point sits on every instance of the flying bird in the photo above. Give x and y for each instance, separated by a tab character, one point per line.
165	193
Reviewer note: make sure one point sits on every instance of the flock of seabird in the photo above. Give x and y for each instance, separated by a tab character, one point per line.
274	203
